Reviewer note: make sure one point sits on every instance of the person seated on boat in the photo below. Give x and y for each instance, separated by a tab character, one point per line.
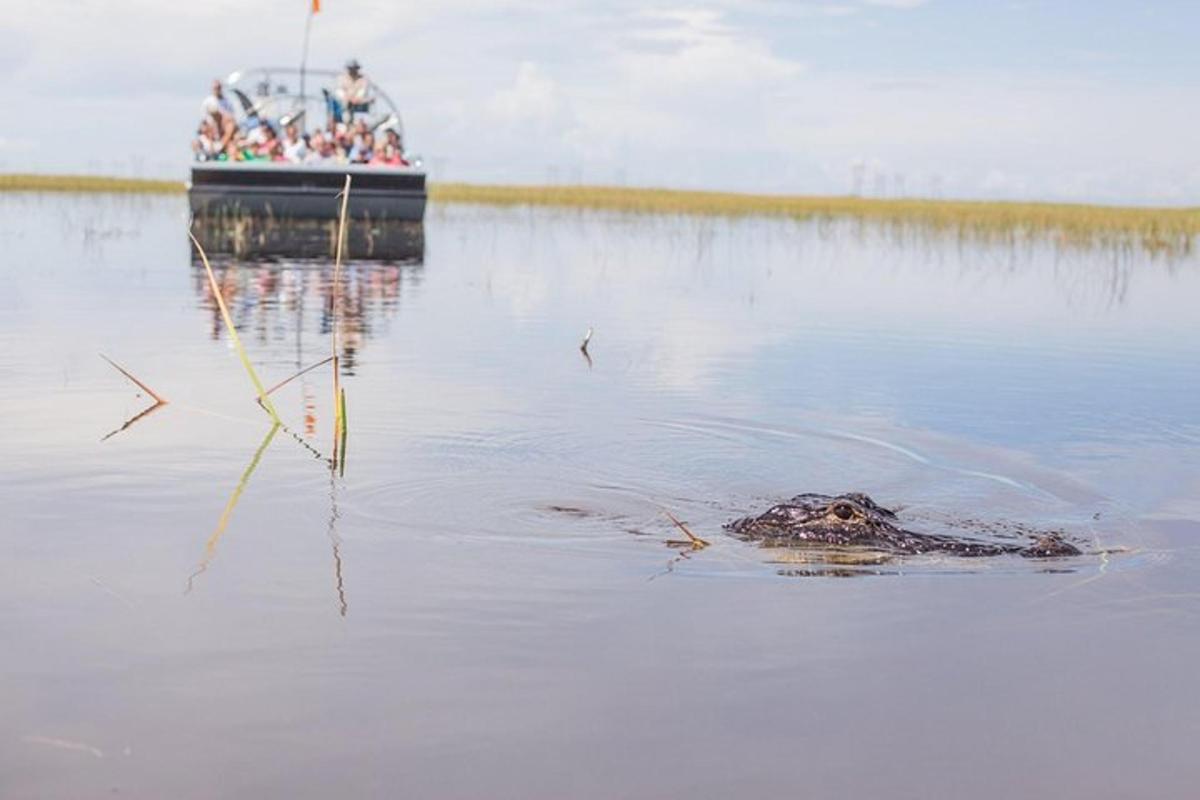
218	108
391	152
363	145
294	147
207	144
388	156
320	148
256	131
341	139
353	92
263	147
393	138
364	149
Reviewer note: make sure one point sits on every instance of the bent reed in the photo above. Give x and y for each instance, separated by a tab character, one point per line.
1172	230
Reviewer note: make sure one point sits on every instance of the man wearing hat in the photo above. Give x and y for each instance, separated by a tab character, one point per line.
353	91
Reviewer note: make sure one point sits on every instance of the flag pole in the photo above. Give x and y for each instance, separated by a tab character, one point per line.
312	10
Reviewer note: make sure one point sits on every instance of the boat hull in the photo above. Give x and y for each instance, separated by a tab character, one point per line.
258	236
286	191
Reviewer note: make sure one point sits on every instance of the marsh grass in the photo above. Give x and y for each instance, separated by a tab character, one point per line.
88	183
304	371
339	395
341	416
1157	229
263	400
1171	230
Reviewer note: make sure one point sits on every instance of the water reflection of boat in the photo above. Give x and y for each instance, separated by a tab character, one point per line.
277	97
286	302
256	235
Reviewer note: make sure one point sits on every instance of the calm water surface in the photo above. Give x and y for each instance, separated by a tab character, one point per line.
485	606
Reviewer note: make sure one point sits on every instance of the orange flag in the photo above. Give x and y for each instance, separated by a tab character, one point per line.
316	6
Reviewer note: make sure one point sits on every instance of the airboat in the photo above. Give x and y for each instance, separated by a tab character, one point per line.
305	191
283	208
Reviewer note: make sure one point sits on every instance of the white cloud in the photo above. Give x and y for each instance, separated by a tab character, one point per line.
904	4
533	100
710	94
697	48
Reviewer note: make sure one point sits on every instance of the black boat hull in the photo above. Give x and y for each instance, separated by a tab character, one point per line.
301	192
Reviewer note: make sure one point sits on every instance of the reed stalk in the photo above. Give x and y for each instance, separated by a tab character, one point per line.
342	418
335	300
159	399
307	369
263	400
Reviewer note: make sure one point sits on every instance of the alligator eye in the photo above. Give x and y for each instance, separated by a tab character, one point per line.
843	511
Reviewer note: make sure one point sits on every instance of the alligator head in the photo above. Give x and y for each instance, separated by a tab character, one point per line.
855	520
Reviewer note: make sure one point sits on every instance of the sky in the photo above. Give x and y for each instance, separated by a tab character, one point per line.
1073	100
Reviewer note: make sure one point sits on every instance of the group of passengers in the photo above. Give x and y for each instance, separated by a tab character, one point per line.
346	139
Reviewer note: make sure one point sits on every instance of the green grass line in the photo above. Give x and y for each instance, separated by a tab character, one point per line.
1171	229
88	183
1167	228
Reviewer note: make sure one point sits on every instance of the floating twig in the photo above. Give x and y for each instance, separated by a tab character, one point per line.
693	541
583	348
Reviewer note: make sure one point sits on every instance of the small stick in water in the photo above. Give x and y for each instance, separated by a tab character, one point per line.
157	397
310	368
693	541
583	348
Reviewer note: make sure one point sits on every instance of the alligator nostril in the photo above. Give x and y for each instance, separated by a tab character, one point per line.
843	511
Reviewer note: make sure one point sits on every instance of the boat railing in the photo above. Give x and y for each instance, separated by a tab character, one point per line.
288	94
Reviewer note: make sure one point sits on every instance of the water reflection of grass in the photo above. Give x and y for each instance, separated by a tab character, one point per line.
210	546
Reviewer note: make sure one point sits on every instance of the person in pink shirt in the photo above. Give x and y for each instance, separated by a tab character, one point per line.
391	152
